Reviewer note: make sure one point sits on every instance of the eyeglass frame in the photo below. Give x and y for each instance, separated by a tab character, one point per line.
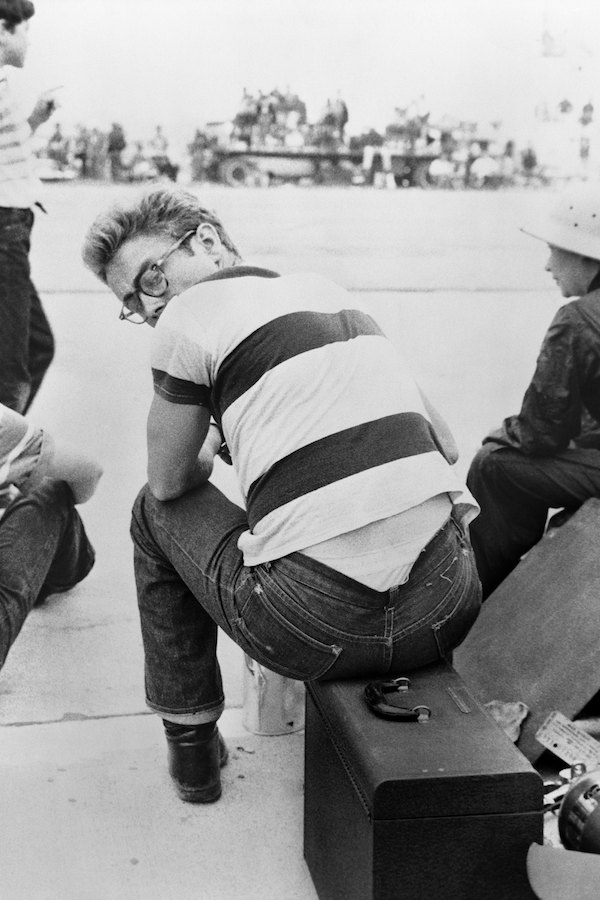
126	313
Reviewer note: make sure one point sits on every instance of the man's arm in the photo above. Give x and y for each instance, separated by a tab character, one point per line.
181	447
552	407
45	106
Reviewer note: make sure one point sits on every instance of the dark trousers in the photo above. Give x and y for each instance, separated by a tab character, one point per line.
43	550
26	340
515	493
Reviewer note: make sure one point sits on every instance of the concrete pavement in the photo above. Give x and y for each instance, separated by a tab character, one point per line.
86	808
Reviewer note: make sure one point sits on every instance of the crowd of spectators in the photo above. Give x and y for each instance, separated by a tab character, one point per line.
462	154
90	153
485	164
276	119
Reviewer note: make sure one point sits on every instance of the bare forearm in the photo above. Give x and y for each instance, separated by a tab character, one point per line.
178	481
201	471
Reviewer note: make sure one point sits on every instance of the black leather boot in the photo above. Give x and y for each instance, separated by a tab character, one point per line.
196	756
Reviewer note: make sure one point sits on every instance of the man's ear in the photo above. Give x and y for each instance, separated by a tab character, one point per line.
208	237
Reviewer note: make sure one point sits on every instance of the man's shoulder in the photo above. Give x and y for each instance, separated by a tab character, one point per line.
587	301
584	309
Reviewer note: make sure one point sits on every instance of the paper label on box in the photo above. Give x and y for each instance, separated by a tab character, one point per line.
567	741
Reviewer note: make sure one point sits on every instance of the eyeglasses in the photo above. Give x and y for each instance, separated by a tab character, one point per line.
153	282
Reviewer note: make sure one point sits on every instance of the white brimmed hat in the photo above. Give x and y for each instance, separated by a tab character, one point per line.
573	223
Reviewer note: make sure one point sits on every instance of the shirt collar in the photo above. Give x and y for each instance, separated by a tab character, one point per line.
241	272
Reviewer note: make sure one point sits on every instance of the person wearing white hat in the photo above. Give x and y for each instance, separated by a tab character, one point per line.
548	456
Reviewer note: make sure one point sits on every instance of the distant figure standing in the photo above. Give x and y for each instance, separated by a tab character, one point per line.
246	118
26	340
58	148
159	143
116	145
528	162
97	154
158	146
198	149
340	110
81	150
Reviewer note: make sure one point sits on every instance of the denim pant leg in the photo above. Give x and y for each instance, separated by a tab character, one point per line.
515	493
187	567
43	549
26	341
41	345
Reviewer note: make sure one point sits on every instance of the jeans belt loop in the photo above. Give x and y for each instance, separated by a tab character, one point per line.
393	594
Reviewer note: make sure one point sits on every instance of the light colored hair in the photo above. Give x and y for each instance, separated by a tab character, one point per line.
164	211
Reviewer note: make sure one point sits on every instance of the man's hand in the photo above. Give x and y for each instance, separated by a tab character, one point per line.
181	447
45	106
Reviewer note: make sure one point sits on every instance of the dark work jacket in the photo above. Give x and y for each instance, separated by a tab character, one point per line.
561	406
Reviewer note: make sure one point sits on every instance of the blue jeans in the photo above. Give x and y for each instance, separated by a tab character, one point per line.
43	550
515	493
26	340
294	615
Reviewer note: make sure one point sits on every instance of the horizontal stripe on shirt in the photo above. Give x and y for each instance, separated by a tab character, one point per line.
19	186
280	340
361	387
336	457
178	390
348	504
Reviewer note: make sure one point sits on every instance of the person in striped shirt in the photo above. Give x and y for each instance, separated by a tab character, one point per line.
347	554
26	340
43	545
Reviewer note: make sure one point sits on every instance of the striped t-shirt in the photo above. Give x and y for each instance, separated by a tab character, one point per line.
19	185
324	422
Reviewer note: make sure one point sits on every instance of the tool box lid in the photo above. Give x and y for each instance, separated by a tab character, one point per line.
457	763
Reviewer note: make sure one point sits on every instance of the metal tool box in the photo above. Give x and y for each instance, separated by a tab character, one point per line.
407	810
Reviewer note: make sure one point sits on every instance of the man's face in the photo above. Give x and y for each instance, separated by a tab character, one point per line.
14	44
182	270
572	272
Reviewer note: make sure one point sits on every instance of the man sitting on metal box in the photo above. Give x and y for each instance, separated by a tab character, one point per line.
351	555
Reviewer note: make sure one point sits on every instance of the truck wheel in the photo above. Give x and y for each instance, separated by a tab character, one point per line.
237	173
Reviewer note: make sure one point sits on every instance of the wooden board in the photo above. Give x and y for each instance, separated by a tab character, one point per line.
537	638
